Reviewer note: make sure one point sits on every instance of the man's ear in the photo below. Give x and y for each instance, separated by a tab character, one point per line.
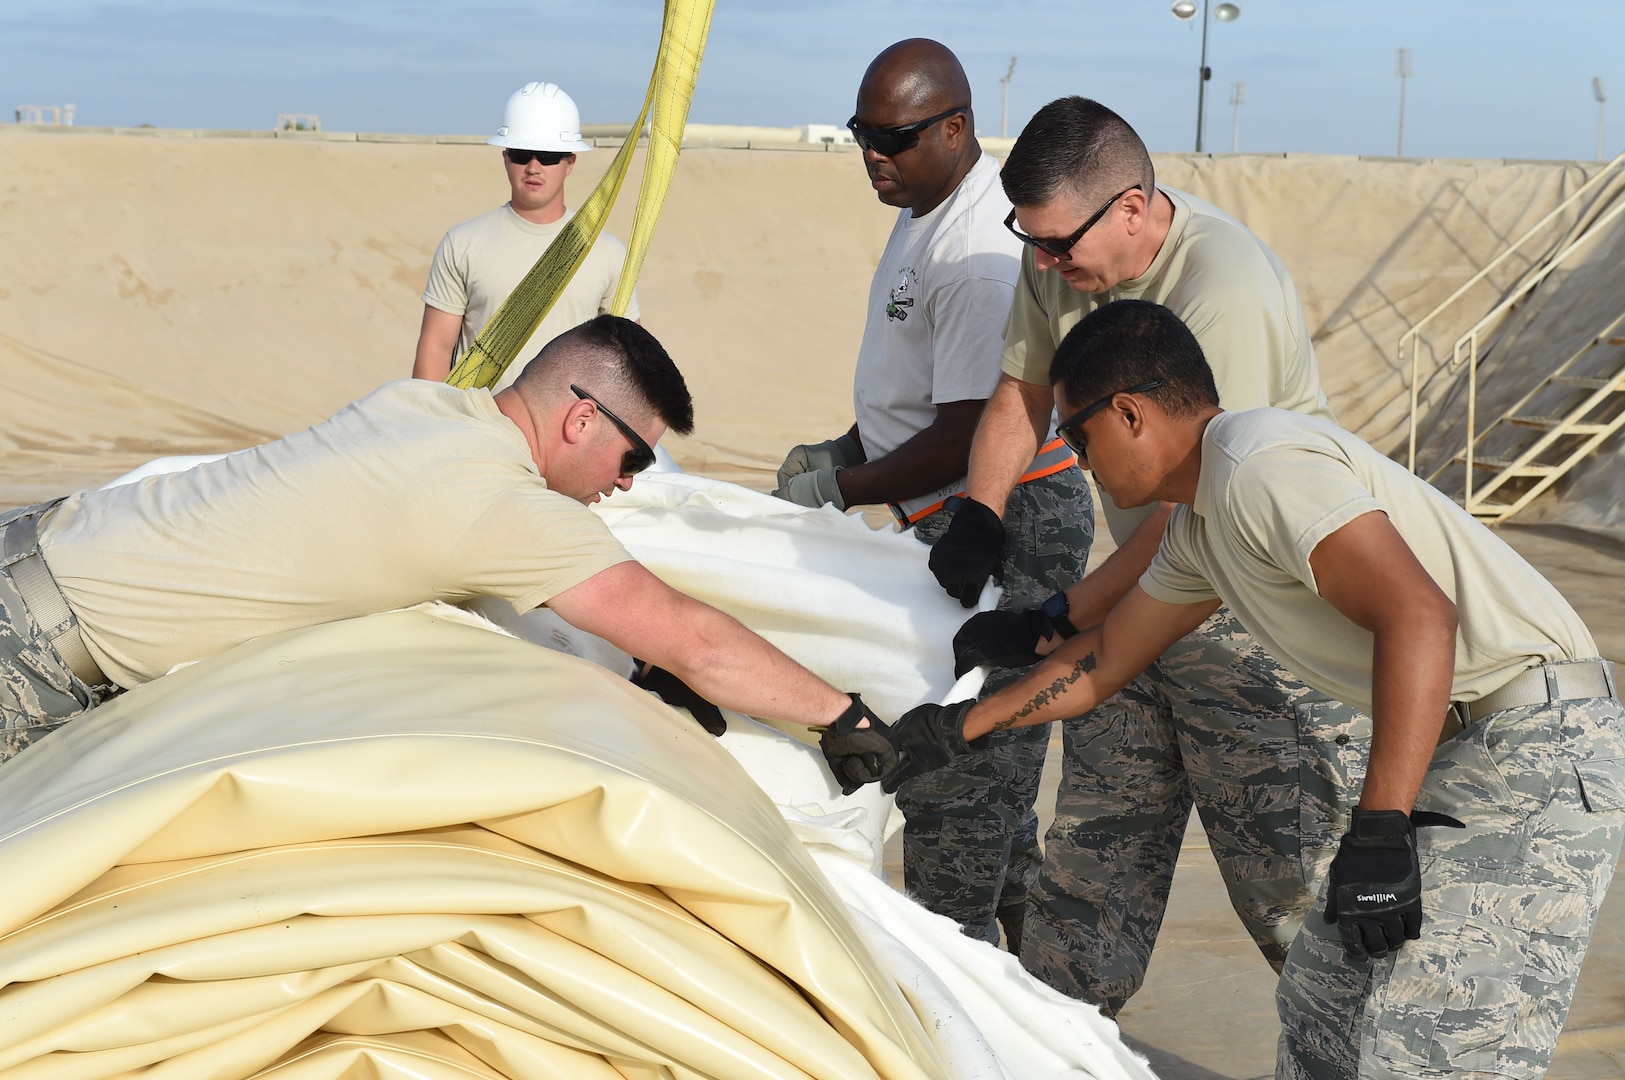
1132	412
1137	205
575	422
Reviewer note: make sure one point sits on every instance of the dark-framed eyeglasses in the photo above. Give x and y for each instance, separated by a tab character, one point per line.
1062	249
1070	430
889	142
635	460
525	157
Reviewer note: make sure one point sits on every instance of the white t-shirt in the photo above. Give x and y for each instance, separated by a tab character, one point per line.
1274	484
1233	292
417	492
937	306
480	262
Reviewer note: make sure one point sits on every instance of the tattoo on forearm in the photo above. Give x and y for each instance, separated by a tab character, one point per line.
1051	692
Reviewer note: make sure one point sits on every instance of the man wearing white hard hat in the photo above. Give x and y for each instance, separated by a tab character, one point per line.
481	261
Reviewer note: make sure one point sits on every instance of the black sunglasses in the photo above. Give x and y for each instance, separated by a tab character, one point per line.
889	142
525	157
1062	249
635	460
1071	429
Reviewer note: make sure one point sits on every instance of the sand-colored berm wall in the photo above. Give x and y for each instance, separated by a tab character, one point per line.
183	295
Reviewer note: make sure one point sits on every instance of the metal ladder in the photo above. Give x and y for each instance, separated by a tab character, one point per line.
1547	432
1568	414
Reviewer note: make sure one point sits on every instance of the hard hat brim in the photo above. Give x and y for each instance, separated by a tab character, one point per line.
553	146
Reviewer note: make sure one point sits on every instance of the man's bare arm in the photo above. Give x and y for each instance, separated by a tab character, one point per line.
932	458
437	339
1090	600
713	653
1091	666
1366	571
1011	430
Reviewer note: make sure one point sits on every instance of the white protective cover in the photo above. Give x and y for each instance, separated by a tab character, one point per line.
410	845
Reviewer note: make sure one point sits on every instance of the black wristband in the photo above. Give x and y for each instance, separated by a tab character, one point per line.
850	716
858	756
1056	610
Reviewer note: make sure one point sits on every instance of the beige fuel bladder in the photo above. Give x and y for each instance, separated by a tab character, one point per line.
405	846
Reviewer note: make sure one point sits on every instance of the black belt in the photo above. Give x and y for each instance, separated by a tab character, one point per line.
43	598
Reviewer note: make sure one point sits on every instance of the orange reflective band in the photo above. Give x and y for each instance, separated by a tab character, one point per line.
905	519
1053	467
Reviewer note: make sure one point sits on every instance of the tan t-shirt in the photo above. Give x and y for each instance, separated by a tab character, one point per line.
481	262
1274	484
418	491
1233	292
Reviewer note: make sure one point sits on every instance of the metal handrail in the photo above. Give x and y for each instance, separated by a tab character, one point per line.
1413	335
1472	497
1471	337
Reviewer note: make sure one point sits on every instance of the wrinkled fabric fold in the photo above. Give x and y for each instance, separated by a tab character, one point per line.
403	823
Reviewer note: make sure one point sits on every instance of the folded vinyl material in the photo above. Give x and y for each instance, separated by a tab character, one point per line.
413	846
549	852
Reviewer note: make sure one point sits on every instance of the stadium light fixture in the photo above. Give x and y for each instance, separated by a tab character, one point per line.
1402	68
1004	99
1601	95
1185	11
1238	98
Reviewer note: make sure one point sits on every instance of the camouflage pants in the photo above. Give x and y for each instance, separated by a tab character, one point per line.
1508	907
1267	762
38	694
970	838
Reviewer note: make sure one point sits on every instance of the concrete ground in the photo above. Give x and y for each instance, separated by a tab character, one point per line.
1207	1010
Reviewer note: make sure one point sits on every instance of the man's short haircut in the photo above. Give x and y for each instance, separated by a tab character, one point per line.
1129	343
1078	147
612	358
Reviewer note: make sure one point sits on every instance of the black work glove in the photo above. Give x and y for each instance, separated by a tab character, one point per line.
1001	639
927	738
1375	894
970	551
857	756
674	691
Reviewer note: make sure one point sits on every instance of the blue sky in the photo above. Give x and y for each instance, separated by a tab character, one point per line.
1492	78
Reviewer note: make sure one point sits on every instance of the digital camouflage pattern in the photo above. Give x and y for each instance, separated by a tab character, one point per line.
1508	906
1268	763
38	694
970	838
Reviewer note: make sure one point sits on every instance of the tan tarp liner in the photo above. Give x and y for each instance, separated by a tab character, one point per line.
412	841
278	862
1565	316
858	606
226	290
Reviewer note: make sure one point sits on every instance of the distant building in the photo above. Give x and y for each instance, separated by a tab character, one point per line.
52	115
826	133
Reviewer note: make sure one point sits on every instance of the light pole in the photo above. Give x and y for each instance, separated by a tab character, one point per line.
1004	99
1402	68
1185	11
1602	96
1238	98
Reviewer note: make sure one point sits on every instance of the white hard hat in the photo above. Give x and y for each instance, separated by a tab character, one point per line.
540	116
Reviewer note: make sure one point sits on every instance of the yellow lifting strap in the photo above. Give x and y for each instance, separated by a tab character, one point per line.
671	91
